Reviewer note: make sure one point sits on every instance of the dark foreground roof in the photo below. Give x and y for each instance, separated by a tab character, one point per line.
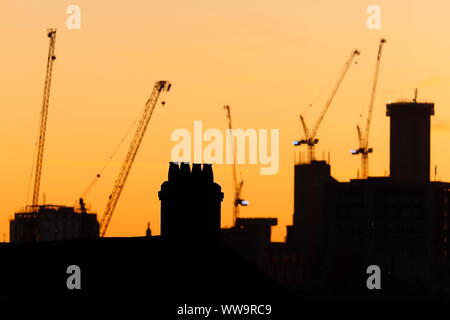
164	275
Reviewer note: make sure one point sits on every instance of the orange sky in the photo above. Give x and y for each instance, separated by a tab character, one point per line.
267	59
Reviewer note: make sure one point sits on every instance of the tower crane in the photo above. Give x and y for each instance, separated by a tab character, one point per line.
310	136
159	87
363	138
238	201
51	33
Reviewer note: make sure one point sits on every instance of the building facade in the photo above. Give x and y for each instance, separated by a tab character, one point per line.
52	222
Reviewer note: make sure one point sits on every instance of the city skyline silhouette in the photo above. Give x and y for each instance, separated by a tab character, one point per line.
117	171
278	66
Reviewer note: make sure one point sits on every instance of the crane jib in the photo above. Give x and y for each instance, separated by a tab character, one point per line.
51	33
131	154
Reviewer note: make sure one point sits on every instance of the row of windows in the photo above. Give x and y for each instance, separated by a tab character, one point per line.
285	275
285	257
381	227
391	199
393	238
381	212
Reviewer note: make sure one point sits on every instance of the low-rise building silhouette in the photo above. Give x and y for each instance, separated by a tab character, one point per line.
53	222
250	237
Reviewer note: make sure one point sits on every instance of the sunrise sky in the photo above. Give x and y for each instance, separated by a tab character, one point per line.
267	59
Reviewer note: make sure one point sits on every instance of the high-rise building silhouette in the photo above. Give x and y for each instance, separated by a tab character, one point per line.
399	223
410	140
309	181
190	203
305	236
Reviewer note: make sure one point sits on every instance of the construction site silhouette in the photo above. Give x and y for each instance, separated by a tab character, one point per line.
398	223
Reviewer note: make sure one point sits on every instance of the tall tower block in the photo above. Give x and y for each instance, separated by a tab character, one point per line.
190	203
410	140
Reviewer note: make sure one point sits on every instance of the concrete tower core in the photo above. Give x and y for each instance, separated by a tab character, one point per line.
410	140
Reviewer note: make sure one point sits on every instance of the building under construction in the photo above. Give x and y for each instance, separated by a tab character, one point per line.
399	222
52	222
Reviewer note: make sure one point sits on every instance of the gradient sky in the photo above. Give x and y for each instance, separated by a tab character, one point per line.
267	59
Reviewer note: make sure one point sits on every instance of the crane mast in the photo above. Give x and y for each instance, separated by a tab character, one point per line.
51	33
363	138
237	201
310	136
131	154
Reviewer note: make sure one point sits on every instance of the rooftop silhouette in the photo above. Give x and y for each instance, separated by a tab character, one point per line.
399	223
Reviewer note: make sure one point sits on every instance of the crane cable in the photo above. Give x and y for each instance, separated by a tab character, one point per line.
32	166
321	92
363	104
108	161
